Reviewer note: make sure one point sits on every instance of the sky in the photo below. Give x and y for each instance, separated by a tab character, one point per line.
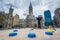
21	7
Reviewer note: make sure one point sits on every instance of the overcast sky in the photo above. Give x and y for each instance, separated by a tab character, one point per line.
21	6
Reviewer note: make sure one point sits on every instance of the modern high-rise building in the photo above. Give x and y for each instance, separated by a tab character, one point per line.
48	19
54	21
57	16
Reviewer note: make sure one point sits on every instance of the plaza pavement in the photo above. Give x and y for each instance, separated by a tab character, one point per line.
23	34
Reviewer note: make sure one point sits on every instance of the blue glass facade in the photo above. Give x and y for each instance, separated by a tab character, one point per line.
48	19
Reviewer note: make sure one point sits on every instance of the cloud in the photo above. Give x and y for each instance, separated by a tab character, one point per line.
20	12
39	10
35	2
39	6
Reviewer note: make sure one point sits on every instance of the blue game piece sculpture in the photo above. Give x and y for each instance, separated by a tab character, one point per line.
12	34
48	33
15	30
31	35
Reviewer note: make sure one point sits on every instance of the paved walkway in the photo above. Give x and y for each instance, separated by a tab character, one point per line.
22	34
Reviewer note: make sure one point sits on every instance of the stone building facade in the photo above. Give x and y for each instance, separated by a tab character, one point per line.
30	20
6	19
16	21
3	19
10	17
